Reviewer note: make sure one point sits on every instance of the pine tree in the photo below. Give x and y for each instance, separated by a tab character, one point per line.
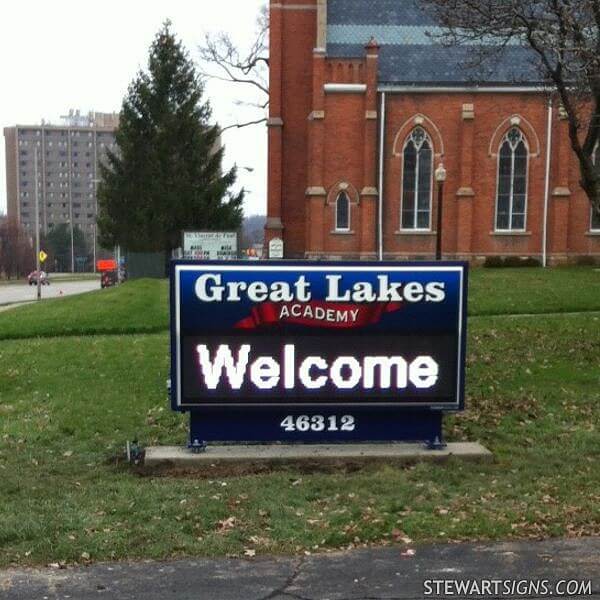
166	175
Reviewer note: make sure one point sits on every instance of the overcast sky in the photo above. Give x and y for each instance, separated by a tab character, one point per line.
61	54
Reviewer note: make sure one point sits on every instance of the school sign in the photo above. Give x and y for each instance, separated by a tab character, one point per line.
317	352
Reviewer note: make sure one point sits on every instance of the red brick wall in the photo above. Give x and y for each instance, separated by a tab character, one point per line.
292	74
338	145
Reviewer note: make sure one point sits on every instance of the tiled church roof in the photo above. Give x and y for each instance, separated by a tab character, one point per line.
410	53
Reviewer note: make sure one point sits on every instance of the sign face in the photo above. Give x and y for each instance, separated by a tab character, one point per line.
318	337
276	248
210	245
43	256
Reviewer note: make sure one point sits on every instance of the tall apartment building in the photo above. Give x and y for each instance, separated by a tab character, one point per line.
68	170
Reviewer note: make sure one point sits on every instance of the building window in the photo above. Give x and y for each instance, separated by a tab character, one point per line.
595	221
595	218
513	166
417	181
342	212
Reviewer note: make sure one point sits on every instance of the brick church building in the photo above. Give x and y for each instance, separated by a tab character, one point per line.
365	106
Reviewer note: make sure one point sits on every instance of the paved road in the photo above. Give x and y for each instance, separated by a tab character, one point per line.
23	293
374	574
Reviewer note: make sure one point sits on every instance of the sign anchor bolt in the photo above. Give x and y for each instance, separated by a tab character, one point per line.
436	444
198	446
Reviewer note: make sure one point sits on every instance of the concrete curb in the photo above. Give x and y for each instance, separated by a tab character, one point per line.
316	457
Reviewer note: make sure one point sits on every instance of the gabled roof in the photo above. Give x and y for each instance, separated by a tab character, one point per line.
411	53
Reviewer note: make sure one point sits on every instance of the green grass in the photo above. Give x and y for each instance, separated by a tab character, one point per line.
136	307
506	291
141	306
68	405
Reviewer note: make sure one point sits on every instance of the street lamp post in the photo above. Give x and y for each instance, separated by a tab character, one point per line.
440	177
95	182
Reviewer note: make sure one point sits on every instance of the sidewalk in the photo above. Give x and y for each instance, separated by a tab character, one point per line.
373	574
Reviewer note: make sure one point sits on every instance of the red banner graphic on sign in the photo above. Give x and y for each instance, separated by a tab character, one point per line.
317	313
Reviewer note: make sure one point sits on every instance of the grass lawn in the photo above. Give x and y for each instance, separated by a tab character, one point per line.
535	291
68	405
142	307
137	307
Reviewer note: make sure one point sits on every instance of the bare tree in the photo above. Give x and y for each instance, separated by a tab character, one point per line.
221	59
563	40
16	249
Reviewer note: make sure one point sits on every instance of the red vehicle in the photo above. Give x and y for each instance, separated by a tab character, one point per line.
32	278
109	273
108	279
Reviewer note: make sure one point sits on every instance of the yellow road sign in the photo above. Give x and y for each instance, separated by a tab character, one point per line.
43	256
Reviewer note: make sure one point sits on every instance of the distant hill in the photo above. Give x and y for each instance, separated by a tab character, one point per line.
253	230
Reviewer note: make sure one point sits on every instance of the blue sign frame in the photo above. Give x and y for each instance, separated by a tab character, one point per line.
428	325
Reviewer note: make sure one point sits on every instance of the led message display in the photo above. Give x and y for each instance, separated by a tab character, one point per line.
314	336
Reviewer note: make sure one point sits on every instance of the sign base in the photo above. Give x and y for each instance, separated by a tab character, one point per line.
314	426
240	459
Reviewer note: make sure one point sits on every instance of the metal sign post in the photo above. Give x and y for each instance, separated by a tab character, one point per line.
328	352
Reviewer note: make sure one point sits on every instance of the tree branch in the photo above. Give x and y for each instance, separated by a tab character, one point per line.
242	125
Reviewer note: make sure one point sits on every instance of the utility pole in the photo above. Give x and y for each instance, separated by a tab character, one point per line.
70	180
72	243
37	225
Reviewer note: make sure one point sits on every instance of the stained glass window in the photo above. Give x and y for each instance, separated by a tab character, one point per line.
417	181
511	200
342	212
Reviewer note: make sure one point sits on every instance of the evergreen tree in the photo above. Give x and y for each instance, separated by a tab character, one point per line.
166	175
57	243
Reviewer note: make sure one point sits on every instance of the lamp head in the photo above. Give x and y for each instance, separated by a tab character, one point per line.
441	173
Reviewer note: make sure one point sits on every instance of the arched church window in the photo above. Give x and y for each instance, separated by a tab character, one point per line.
417	181
513	167
595	226
342	212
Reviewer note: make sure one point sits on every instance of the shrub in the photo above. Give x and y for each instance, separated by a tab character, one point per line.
498	262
